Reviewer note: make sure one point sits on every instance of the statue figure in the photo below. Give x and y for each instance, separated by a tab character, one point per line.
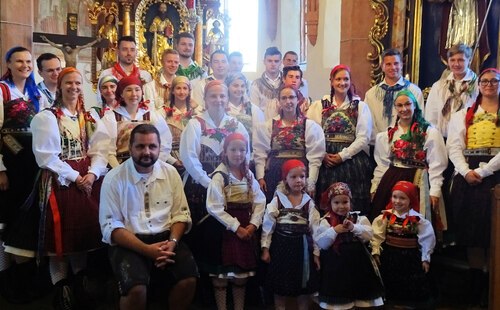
108	31
69	51
163	34
215	38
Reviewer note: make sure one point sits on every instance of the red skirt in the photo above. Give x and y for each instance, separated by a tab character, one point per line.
79	215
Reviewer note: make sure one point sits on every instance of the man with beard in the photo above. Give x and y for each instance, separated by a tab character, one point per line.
143	216
127	52
184	44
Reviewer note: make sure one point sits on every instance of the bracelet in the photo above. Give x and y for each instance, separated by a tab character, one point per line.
173	240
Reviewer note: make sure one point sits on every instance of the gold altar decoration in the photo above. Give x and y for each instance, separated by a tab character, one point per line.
142	26
375	37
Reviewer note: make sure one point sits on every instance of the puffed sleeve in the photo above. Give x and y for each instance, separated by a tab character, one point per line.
426	239
363	229
261	147
109	121
216	203
197	93
259	203
314	219
150	94
165	137
432	104
455	143
382	157
315	150
110	215
47	147
325	234
98	149
436	159
363	133
271	109
315	112
379	226
189	150
269	223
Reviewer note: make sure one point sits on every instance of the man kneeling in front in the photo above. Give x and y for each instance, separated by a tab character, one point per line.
143	216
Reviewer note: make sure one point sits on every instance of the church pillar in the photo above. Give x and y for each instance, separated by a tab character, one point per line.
354	45
16	26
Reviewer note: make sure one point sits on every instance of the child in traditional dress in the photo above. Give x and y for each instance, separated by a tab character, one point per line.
235	200
289	222
341	236
407	240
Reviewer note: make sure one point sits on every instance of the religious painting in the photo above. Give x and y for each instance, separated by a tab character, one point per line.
156	24
215	34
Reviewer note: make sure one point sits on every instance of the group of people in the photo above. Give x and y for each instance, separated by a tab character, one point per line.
186	173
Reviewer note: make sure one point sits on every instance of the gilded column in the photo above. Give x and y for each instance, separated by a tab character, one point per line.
127	6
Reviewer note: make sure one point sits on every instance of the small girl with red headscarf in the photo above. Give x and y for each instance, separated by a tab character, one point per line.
342	235
236	205
289	224
402	245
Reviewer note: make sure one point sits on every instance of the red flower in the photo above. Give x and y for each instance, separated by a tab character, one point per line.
401	144
420	155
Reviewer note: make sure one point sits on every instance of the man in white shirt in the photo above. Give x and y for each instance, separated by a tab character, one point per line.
184	44
158	90
49	67
458	90
125	66
292	59
265	88
220	68
143	216
380	98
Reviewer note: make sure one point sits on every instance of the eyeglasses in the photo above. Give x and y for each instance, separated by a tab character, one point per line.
284	98
492	82
405	105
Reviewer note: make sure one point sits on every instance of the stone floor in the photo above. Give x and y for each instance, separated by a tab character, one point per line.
448	266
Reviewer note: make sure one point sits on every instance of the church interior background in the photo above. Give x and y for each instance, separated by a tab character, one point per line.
323	32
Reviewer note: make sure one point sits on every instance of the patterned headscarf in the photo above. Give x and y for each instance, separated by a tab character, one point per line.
336	189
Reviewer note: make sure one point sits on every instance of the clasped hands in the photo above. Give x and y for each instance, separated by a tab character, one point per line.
85	183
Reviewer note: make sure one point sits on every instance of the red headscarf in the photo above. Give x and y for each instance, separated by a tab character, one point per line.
126	81
289	165
232	137
410	190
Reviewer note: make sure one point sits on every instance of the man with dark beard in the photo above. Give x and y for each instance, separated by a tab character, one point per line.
143	215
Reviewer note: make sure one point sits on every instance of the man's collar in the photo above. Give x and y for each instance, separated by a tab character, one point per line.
137	177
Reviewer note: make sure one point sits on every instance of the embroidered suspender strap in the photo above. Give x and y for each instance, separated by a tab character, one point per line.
146	116
56	216
203	124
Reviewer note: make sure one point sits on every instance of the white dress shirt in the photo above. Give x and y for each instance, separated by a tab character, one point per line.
325	234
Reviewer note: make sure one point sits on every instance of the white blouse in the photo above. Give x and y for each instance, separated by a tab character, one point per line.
47	146
363	126
315	148
272	212
109	120
456	145
425	234
216	202
192	139
325	234
435	156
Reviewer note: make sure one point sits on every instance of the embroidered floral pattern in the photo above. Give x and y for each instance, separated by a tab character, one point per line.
410	145
220	134
19	113
177	116
335	120
288	137
400	226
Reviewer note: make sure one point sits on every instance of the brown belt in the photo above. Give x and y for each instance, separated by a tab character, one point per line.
399	242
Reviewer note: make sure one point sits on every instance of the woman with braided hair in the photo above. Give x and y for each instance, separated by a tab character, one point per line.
474	148
71	147
412	151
